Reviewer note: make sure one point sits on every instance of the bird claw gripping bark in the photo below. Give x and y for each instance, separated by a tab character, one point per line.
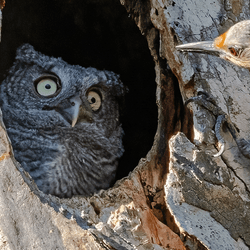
208	102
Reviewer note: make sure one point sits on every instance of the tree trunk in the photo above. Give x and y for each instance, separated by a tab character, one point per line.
179	196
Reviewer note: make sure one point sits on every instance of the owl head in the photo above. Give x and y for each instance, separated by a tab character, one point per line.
63	121
39	83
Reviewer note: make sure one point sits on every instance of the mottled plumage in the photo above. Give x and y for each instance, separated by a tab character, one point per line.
63	122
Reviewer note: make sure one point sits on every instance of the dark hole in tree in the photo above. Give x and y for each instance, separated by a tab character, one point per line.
96	33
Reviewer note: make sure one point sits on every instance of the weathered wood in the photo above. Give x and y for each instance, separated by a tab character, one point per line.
209	197
179	196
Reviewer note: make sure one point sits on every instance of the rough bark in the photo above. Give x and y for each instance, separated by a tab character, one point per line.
179	196
209	197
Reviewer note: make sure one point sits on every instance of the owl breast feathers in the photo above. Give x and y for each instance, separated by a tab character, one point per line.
63	122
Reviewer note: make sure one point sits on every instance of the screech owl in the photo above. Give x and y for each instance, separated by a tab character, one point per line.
63	122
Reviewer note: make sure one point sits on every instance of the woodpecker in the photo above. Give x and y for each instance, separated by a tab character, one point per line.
233	46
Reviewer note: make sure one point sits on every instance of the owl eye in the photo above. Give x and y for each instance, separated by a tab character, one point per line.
94	100
47	85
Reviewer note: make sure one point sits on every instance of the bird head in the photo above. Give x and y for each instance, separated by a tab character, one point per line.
49	93
233	45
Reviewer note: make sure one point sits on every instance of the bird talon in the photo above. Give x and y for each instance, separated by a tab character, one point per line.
191	99
201	92
208	97
208	102
218	133
221	151
201	95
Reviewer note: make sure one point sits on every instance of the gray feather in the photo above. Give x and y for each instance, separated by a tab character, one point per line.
63	160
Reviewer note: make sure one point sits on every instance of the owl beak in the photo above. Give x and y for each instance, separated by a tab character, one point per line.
74	121
79	111
75	114
74	110
71	112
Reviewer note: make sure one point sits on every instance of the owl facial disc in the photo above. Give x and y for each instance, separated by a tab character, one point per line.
78	108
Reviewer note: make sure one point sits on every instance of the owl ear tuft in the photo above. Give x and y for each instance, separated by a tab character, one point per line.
117	87
27	53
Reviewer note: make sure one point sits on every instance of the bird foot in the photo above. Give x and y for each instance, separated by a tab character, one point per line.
209	103
206	101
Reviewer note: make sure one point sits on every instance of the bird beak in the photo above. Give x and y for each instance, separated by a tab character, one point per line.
77	111
200	47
